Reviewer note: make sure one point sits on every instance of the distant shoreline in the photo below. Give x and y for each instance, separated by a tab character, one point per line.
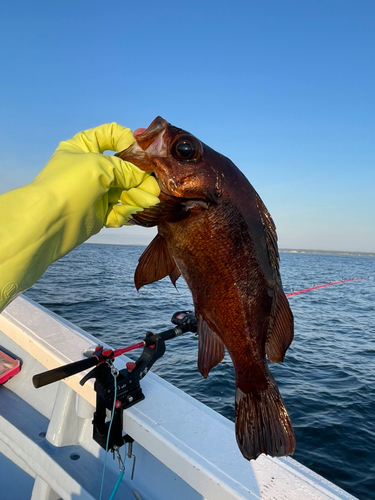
281	250
327	252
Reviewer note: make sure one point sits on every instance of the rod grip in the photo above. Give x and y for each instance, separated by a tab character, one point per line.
45	378
166	335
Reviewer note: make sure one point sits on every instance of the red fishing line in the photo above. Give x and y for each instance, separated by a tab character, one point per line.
322	286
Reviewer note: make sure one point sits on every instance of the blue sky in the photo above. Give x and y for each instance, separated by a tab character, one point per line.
286	89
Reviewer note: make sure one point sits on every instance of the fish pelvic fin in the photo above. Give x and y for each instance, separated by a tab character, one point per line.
263	424
210	348
281	330
155	263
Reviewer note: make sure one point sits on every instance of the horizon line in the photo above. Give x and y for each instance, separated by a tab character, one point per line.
283	250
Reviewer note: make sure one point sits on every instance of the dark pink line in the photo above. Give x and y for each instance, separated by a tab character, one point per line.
322	286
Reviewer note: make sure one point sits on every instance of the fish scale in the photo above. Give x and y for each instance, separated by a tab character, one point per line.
214	229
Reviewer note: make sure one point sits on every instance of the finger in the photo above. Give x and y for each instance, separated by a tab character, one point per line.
110	136
150	185
148	195
118	215
139	198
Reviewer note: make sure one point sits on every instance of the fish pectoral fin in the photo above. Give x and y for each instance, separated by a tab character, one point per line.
155	263
281	330
174	275
165	211
210	348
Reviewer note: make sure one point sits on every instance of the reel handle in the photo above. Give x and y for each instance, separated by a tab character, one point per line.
45	378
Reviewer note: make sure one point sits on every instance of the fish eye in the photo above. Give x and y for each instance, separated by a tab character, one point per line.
186	148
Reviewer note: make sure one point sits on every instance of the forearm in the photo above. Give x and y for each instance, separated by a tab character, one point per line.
36	230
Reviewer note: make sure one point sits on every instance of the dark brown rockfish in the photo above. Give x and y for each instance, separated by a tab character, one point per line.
214	229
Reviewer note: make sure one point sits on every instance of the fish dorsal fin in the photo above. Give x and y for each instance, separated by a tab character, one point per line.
155	263
172	210
280	334
271	235
210	348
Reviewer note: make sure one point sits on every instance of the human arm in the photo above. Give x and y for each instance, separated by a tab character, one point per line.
78	192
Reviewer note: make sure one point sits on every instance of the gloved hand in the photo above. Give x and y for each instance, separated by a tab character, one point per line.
71	199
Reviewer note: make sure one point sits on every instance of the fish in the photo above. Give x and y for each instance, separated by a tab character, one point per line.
215	231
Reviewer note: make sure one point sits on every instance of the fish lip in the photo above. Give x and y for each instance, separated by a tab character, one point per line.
146	138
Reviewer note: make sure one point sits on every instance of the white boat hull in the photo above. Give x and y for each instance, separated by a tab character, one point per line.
183	449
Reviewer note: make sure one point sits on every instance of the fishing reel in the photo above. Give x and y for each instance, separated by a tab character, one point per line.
117	390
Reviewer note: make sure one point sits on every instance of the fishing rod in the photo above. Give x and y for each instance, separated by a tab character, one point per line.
322	286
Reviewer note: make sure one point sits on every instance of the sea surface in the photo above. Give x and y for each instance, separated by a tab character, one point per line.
327	379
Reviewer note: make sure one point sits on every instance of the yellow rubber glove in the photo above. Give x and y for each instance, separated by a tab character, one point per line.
73	197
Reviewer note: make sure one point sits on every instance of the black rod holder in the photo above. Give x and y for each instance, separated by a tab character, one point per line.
124	384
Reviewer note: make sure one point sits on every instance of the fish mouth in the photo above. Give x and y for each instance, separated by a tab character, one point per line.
145	137
149	142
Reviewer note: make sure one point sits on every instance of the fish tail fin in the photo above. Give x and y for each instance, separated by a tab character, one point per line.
263	424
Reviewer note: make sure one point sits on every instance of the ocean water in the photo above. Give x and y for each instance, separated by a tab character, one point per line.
327	379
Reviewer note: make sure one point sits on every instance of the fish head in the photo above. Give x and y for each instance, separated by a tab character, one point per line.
183	166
